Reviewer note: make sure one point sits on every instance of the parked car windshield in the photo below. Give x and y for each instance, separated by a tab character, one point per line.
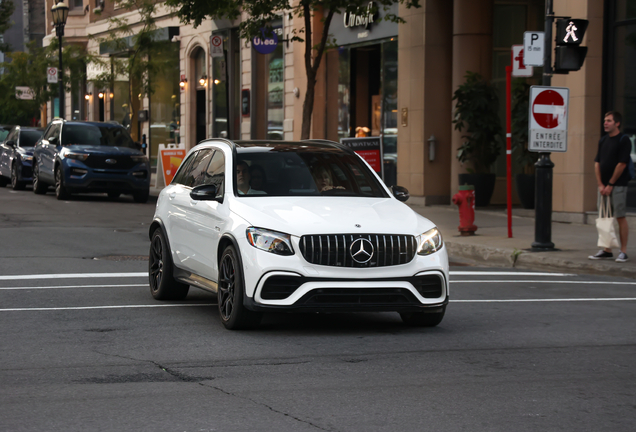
300	170
28	138
3	134
91	135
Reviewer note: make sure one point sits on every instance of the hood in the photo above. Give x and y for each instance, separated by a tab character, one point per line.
103	150
321	215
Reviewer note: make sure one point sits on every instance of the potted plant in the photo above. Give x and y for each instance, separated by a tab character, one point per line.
476	113
524	181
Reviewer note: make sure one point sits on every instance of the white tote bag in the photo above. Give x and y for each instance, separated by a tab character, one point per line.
605	225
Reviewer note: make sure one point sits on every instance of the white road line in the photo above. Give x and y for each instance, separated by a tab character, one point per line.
73	286
545	300
73	276
145	274
214	304
106	307
544	282
504	273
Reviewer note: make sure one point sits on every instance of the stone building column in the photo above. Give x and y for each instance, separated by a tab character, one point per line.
472	51
574	185
424	101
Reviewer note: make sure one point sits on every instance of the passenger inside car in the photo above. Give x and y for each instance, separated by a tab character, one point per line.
258	180
324	179
243	180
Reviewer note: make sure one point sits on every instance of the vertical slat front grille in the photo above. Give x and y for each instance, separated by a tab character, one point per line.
378	250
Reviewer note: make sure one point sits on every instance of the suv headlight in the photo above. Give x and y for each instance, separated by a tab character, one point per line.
431	241
139	158
76	156
270	241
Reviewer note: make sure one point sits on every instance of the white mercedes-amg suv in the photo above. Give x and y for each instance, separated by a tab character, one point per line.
294	226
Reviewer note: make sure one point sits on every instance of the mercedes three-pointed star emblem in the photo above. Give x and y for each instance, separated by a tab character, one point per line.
361	250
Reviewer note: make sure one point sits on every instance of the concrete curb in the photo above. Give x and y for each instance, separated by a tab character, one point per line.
538	261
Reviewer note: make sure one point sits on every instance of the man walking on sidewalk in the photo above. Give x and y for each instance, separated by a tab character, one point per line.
612	176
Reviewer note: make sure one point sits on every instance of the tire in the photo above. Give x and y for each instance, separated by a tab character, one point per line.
15	183
113	195
141	197
38	186
60	190
424	319
163	286
233	313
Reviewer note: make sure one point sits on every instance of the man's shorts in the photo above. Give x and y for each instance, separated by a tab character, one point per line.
618	199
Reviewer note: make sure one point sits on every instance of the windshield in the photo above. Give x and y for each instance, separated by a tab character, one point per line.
28	138
3	134
303	171
91	135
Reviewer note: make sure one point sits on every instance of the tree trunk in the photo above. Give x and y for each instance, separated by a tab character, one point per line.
312	69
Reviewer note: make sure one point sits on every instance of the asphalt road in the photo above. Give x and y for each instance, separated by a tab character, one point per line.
85	347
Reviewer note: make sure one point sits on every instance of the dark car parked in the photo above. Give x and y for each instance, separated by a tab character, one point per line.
16	154
85	157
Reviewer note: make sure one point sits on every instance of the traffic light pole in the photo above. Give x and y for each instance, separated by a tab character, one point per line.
543	186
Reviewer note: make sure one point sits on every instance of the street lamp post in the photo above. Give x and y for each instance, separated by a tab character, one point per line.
59	11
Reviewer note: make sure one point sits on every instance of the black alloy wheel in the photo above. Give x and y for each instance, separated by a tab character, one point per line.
60	190
163	286
233	313
16	184
38	187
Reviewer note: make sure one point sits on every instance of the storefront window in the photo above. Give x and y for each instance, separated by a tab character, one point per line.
344	84
225	86
390	110
164	101
269	91
276	94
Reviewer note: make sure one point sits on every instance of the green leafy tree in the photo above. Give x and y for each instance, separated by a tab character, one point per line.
476	112
28	69
259	14
6	10
131	46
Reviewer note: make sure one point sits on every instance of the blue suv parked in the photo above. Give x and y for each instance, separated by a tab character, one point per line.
77	157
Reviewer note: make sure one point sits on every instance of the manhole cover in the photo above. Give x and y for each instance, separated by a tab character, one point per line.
122	258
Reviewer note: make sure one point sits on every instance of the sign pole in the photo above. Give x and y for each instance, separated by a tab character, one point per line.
509	147
543	175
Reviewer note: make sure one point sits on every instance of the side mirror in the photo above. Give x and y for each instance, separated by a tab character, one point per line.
53	140
10	143
400	193
205	193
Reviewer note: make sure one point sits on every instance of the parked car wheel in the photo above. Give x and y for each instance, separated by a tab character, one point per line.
15	183
60	190
141	197
424	319
38	187
163	286
233	313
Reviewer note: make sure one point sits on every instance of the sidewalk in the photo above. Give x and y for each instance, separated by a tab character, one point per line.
490	246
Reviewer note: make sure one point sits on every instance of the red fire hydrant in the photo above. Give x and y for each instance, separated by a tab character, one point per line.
465	200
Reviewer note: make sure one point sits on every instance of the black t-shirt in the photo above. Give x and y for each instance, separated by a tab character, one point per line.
611	152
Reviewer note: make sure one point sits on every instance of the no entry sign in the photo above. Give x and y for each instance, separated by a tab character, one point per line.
548	119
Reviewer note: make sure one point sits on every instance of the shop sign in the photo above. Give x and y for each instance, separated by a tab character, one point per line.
548	119
369	149
362	25
359	18
266	45
24	93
